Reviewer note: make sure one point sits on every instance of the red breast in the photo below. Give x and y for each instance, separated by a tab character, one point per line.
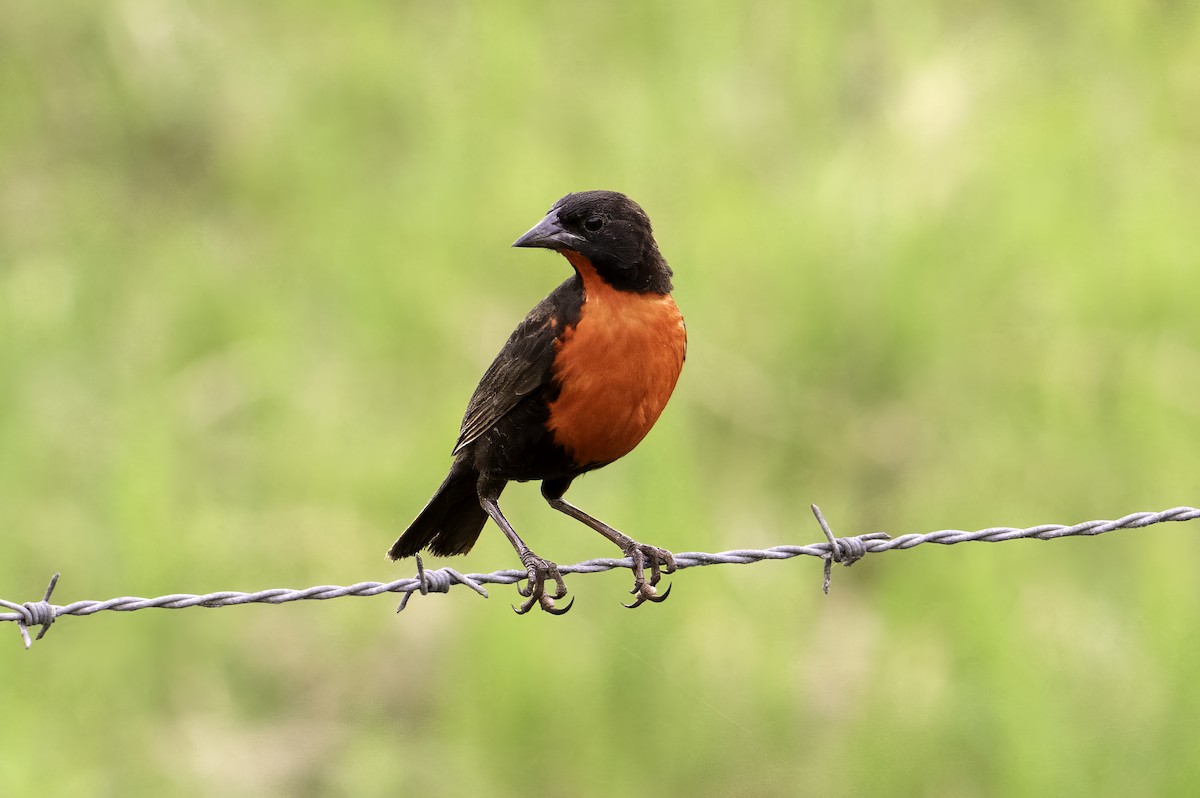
616	368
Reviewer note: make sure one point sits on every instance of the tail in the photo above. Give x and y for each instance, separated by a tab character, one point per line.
450	523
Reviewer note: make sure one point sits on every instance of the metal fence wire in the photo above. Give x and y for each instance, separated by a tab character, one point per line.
841	550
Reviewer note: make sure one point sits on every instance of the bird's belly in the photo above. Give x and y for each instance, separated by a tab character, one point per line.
615	370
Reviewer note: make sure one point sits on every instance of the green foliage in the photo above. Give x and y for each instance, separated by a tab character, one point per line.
939	267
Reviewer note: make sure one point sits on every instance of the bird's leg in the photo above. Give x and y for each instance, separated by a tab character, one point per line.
540	570
660	561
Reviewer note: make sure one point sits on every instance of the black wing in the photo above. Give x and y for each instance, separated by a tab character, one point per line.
524	364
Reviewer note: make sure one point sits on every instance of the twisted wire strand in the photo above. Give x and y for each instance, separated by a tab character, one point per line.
844	550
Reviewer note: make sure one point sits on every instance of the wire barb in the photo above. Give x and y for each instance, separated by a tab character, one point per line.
33	613
439	581
846	551
833	549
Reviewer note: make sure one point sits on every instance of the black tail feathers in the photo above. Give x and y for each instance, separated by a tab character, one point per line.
449	524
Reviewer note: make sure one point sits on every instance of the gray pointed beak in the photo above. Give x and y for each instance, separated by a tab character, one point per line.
549	234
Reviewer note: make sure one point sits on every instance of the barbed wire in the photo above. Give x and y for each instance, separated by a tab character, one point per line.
842	550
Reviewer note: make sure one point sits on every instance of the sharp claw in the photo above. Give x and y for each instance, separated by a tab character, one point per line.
548	606
660	561
538	573
533	591
646	592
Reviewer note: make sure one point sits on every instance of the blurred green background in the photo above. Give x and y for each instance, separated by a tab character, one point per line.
939	266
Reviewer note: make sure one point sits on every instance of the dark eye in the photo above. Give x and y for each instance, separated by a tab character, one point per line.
593	224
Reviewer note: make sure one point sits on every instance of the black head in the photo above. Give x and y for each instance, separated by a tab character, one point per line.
612	232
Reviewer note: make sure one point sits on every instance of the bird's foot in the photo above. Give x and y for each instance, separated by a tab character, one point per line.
540	572
660	561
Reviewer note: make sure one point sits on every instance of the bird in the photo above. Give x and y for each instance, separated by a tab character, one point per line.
577	386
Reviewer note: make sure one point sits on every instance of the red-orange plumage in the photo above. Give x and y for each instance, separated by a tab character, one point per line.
616	368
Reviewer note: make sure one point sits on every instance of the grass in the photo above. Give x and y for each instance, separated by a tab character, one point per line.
938	266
